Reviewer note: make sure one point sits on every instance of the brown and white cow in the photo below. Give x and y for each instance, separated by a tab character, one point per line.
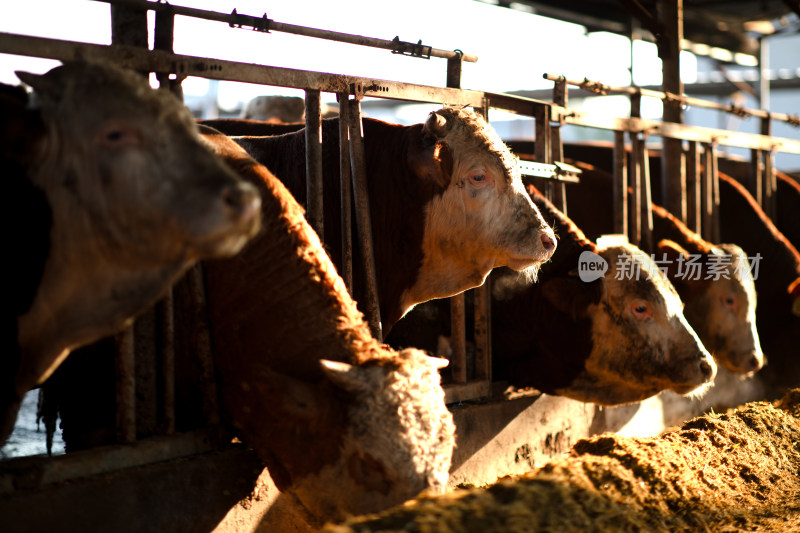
134	199
618	338
713	281
344	424
446	201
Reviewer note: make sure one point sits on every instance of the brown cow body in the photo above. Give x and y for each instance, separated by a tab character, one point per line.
135	199
361	431
446	202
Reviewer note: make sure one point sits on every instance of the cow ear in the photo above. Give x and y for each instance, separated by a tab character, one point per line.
350	378
431	161
572	296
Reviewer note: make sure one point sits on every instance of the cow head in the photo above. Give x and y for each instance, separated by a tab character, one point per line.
720	298
641	342
481	216
135	200
126	161
398	437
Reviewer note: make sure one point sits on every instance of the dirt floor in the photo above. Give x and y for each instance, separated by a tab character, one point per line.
736	471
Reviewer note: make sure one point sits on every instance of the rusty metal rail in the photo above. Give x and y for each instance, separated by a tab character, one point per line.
266	25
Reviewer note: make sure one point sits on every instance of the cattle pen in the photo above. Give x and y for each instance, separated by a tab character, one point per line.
499	433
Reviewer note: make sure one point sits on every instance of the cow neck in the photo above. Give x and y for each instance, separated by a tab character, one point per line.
571	240
781	261
667	226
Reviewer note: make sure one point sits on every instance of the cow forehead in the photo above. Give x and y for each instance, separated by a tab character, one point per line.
97	93
475	142
633	273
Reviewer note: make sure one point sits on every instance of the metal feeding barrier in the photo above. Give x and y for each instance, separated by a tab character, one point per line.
700	188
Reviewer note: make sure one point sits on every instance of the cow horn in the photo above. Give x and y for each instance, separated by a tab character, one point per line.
436	125
39	82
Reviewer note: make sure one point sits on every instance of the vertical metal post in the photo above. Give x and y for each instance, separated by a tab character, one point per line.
543	143
163	40
166	350
128	27
454	70
458	336
755	182
769	181
313	137
674	187
707	190
363	218
126	387
483	318
635	209
620	186
346	191
202	344
693	188
557	148
646	197
715	229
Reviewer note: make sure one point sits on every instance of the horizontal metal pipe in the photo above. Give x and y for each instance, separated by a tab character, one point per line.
266	25
600	88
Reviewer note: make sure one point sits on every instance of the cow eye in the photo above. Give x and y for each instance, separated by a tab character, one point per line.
641	310
729	301
116	136
479	179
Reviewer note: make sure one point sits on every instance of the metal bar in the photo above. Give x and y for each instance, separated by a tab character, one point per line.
646	198
266	25
543	143
346	191
557	147
557	171
707	192
461	392
454	70
620	185
202	344
363	218
125	364
635	210
603	89
715	230
483	330
769	179
770	185
313	138
755	182
458	335
160	61
165	316
693	188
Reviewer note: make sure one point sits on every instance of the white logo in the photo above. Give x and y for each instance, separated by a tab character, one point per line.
591	266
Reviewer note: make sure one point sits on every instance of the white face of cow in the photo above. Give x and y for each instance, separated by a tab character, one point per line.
642	344
127	162
483	219
399	440
723	311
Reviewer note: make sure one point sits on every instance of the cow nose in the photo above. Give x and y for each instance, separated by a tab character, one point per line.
753	364
242	199
549	242
706	369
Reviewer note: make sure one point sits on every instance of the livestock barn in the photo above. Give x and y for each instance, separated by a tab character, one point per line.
310	273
